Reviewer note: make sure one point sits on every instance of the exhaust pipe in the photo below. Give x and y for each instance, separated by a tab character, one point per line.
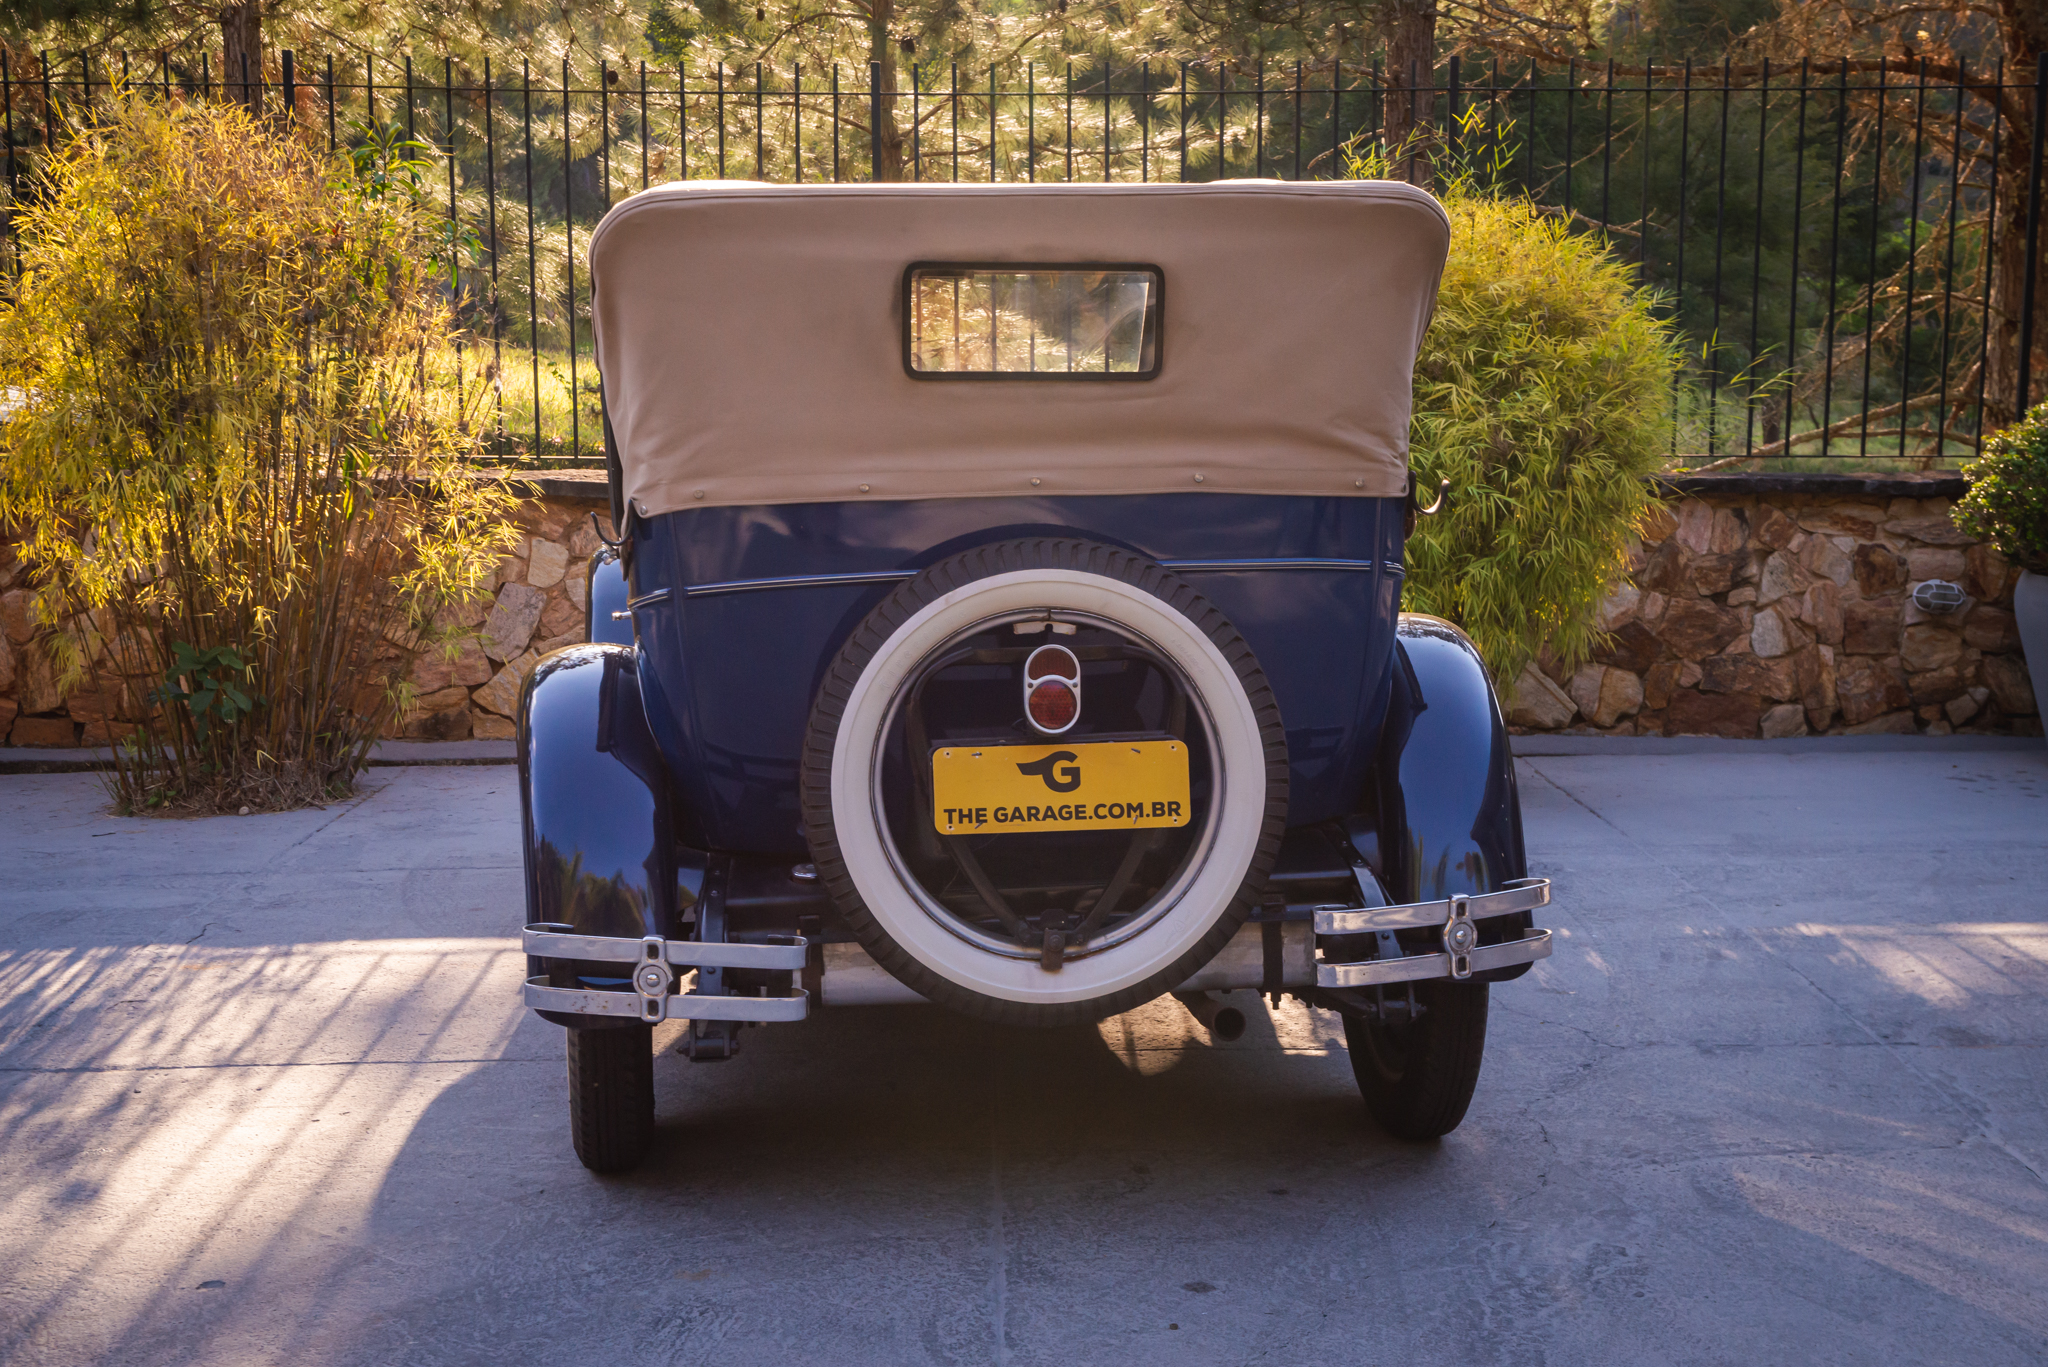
1224	1023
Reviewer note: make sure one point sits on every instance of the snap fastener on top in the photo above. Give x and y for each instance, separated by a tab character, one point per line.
698	495
1198	479
863	488
1036	481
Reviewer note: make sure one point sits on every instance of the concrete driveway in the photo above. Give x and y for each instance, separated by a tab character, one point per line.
1781	1096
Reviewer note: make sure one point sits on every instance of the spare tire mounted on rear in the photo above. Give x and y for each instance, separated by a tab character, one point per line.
1163	802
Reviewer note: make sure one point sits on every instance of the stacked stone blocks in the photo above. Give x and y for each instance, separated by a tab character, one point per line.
532	604
1776	615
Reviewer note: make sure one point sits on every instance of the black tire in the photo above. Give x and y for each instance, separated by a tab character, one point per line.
611	1096
947	577
1417	1079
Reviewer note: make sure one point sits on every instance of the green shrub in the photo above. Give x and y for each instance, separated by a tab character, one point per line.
2008	500
1542	394
244	504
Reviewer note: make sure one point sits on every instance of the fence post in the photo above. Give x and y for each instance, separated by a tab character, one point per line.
7	98
2033	233
290	84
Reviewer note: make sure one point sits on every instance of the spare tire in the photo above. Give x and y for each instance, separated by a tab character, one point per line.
1085	905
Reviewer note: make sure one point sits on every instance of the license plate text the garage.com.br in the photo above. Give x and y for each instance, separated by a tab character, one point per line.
1090	786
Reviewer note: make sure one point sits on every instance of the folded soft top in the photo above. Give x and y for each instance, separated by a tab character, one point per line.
752	341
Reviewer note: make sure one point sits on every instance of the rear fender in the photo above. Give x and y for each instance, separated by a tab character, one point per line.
1443	816
600	820
606	619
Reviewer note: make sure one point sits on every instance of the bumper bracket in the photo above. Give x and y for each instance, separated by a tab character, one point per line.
656	993
1456	920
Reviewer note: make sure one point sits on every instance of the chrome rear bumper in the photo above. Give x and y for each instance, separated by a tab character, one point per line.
660	992
656	993
1455	918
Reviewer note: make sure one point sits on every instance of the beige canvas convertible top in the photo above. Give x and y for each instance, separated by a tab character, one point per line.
750	339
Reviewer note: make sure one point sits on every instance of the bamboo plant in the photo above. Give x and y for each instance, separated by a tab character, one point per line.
243	502
1542	393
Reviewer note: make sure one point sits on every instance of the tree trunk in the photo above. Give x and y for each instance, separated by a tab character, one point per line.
887	137
241	55
1411	78
2008	294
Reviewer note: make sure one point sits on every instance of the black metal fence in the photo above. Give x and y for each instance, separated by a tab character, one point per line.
1847	248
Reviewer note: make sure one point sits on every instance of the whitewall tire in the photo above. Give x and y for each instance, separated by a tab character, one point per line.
1189	918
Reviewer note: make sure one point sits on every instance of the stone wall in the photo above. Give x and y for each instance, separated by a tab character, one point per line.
534	605
1778	605
1758	606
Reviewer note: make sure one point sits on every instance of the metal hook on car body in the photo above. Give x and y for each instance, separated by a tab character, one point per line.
1412	505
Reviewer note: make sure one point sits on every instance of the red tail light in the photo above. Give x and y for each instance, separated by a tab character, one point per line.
1056	661
1052	705
1052	689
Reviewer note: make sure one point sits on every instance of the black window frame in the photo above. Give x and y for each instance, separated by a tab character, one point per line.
1155	320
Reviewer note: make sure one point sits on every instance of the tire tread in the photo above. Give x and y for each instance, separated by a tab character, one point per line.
1448	1044
611	1096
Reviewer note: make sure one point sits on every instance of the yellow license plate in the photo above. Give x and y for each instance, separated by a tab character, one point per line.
1095	786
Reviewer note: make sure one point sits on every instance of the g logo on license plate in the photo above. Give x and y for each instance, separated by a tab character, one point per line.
1099	786
1069	775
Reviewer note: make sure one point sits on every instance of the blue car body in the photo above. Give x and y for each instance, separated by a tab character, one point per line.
743	609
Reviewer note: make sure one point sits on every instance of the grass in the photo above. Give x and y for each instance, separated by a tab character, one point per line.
524	401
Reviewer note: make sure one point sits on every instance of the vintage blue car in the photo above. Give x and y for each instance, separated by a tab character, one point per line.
1006	615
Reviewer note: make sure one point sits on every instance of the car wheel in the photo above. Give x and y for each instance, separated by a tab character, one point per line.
1418	1060
611	1095
1104	903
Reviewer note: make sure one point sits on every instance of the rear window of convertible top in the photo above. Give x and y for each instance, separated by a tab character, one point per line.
1031	322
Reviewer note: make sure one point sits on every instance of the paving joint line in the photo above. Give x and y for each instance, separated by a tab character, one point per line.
343	808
